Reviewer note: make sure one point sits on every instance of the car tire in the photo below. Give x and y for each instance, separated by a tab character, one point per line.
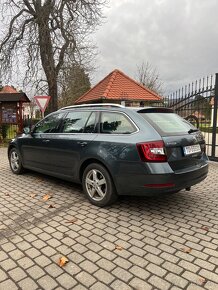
15	161
98	185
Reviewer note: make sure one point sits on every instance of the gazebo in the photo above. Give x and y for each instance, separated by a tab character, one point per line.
11	104
119	88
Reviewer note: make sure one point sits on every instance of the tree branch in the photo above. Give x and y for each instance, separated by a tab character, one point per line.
20	36
28	5
10	31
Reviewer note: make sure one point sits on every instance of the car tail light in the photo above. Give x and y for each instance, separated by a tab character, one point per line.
152	151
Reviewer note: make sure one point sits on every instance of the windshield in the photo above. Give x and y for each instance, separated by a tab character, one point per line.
168	123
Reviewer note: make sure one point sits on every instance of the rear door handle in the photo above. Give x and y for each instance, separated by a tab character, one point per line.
46	140
81	143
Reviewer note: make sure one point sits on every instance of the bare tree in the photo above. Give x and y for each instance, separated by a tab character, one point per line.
46	34
148	76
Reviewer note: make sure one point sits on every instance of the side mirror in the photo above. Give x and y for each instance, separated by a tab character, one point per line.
26	130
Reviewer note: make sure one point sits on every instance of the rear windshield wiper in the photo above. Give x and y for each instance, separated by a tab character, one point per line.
192	130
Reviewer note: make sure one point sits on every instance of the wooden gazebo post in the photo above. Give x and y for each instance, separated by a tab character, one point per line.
20	117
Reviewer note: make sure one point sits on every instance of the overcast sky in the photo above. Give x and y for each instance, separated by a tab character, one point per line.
178	37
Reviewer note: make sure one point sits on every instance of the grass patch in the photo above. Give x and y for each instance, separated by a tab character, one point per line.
207	128
4	144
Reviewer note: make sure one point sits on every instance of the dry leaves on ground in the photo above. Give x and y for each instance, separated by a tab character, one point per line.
33	195
39	179
62	261
51	206
117	247
186	250
7	194
205	228
74	220
46	197
202	281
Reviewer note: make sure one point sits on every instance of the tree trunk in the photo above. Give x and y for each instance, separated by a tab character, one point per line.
53	92
47	58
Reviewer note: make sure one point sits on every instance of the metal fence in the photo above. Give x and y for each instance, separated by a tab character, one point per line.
197	102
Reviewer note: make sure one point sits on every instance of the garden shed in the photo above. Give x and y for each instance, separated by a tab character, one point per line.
11	111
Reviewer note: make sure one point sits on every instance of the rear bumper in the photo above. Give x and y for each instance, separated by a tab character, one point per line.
151	184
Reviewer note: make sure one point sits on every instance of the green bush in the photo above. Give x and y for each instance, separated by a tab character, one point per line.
4	130
30	122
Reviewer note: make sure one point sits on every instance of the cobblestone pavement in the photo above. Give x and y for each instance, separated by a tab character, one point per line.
138	243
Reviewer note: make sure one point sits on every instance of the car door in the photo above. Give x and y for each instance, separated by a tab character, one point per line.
38	148
77	132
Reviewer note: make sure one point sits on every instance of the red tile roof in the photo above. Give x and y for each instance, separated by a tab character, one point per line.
10	94
118	86
8	89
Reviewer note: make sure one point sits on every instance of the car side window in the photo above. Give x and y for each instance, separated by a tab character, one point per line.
90	125
49	124
75	122
115	123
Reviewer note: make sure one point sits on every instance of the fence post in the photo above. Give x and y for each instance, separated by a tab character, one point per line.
215	118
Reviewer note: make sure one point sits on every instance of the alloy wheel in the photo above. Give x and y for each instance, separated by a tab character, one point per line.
15	162
96	184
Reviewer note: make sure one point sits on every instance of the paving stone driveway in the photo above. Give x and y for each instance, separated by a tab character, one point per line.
138	243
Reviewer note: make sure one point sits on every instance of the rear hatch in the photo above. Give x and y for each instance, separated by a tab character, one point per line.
184	144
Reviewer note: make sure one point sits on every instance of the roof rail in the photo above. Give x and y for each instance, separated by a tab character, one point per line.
93	105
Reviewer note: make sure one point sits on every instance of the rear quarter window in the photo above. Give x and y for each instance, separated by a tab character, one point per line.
116	123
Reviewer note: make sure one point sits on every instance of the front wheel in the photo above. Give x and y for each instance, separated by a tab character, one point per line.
15	161
98	185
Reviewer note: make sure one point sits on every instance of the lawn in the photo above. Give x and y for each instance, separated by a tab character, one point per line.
207	128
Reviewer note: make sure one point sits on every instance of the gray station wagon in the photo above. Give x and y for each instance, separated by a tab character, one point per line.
114	150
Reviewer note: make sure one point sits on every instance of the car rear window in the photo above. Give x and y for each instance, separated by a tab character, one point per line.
167	123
